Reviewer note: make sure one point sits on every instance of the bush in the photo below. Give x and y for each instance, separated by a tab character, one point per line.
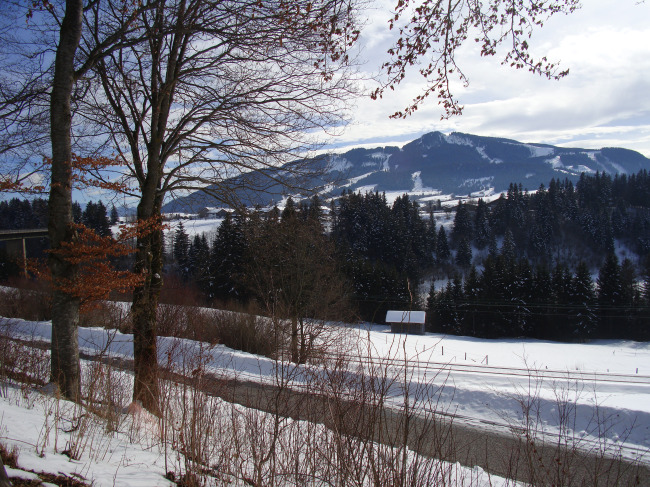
246	332
26	299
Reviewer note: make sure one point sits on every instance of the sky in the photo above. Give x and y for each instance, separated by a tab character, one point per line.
603	102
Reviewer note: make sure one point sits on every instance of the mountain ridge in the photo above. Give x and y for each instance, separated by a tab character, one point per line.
436	164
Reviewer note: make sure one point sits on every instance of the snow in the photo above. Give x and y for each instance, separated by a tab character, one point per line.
555	162
338	163
405	317
482	382
194	227
116	462
370	188
491	160
355	180
418	186
537	151
457	139
477	181
383	159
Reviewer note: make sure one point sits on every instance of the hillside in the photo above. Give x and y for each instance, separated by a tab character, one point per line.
434	165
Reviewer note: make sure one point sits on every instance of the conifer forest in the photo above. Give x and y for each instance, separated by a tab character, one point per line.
566	262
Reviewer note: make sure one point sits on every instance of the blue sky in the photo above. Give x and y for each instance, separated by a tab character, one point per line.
604	101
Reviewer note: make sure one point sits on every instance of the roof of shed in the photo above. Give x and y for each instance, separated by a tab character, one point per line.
405	317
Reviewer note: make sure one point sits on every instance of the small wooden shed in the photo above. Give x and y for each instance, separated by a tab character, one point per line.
410	322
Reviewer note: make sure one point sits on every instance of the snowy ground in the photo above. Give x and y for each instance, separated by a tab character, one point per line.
605	384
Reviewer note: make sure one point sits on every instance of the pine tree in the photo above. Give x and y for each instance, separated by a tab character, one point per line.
464	254
77	212
115	218
508	249
472	293
463	227
180	251
583	320
430	308
609	296
103	223
198	257
630	299
227	261
95	218
442	247
561	282
542	325
523	297
289	210
481	225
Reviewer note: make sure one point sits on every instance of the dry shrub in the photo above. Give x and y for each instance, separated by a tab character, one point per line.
9	455
247	332
238	330
21	361
26	299
177	292
107	314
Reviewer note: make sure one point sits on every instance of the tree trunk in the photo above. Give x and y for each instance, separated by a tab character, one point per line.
65	370
295	356
144	308
4	478
303	343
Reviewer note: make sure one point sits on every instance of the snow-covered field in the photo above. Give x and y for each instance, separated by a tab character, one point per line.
603	387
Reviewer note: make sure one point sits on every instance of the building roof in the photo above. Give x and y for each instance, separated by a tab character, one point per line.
405	317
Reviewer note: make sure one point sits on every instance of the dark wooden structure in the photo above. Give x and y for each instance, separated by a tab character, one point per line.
409	322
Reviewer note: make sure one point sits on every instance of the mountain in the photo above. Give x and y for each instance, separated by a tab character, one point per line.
436	165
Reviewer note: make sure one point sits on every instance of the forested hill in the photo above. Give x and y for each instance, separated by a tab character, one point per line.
436	163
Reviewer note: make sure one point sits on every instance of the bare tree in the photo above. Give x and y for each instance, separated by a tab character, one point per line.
65	308
43	95
220	88
292	271
432	31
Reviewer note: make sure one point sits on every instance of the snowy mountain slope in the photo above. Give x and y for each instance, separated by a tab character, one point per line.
436	163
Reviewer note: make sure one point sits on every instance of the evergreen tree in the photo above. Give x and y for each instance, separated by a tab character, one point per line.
542	304
443	253
482	230
630	299
463	227
494	300
464	254
609	296
493	249
95	217
561	282
289	210
430	308
77	212
180	251
115	218
522	321
103	223
583	320
227	260
198	258
508	248
40	216
471	309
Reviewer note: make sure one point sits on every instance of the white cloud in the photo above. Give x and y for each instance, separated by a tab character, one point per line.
604	101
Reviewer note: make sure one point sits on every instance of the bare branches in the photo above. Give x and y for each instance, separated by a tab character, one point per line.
225	87
437	29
